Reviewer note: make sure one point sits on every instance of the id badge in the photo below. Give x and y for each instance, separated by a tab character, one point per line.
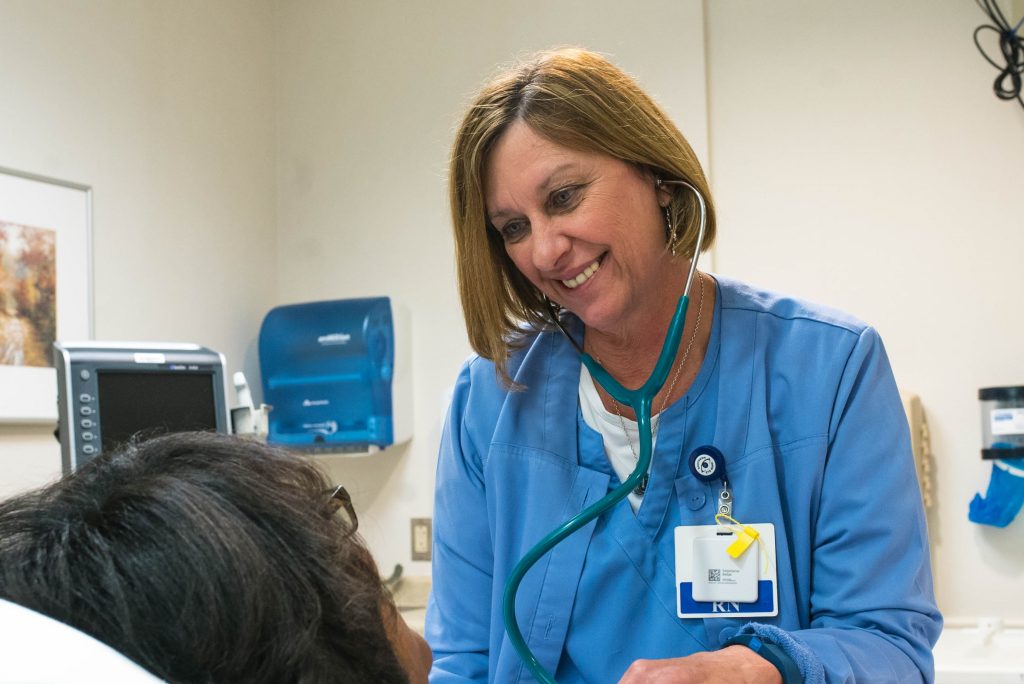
710	583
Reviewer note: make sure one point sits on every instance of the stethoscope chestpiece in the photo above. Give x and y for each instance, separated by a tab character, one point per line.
707	464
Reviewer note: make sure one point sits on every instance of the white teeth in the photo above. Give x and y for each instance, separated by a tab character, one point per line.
582	277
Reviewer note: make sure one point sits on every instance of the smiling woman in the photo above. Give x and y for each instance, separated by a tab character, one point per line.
582	114
586	230
576	209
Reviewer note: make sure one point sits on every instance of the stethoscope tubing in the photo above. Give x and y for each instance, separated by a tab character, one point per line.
640	400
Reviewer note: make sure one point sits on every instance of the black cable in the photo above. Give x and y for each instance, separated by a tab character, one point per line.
1012	48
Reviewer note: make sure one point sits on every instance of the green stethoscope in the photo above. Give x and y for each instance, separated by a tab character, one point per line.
640	400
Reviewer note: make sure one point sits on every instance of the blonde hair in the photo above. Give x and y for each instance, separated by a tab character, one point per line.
580	100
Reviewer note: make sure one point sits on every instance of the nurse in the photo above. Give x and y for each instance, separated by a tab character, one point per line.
566	203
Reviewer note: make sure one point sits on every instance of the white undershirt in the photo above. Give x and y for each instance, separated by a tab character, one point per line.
620	455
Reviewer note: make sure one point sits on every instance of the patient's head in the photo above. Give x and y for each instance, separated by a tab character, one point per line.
203	558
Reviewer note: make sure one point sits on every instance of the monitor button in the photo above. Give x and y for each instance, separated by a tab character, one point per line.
85	375
86	423
88	449
84	398
85	410
88	436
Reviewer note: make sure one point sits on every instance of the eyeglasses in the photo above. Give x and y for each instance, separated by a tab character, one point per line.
341	503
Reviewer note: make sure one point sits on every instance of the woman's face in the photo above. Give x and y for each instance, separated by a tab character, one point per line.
588	230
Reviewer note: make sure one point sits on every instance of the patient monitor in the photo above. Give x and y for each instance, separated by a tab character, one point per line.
109	391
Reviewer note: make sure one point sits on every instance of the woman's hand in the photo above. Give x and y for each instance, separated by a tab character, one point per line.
732	665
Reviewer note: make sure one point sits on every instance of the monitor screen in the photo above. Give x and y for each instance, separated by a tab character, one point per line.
154	403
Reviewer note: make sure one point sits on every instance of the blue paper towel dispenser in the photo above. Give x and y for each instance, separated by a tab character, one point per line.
337	375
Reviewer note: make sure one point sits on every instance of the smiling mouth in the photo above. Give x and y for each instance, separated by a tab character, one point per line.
583	277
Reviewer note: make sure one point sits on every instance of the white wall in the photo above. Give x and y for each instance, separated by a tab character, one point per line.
860	158
166	110
368	98
279	152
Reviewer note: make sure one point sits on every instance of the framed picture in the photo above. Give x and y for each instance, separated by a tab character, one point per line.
45	287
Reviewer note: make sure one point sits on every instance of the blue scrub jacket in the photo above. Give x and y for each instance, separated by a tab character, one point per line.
801	400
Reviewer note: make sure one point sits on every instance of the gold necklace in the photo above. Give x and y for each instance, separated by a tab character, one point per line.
642	487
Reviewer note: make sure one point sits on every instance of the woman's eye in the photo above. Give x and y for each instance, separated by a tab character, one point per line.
563	197
512	231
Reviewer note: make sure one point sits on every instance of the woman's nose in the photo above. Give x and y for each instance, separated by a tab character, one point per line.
551	247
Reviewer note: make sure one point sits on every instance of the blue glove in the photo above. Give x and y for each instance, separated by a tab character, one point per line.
1004	497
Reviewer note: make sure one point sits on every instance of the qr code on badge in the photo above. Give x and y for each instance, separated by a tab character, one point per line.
714	575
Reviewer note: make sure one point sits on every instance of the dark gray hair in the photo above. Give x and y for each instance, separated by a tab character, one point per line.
204	558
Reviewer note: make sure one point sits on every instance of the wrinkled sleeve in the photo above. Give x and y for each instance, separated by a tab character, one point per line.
873	612
459	612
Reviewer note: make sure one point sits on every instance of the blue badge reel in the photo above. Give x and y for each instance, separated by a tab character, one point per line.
707	464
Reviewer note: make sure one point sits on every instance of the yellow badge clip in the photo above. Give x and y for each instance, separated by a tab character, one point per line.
745	536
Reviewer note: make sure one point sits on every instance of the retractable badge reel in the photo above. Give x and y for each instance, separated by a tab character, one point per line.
707	464
716	573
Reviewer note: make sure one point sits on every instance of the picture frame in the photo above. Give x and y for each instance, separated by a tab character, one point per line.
45	287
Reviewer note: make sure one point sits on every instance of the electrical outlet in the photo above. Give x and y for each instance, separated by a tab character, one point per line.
421	538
